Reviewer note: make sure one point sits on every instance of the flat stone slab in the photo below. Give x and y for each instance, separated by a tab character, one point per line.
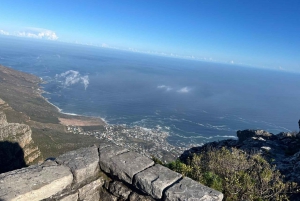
91	190
126	165
72	197
106	153
155	179
35	182
188	189
84	163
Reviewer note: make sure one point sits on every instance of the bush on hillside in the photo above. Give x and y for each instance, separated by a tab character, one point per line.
238	175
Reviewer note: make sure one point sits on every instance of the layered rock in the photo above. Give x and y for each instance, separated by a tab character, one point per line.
16	139
245	134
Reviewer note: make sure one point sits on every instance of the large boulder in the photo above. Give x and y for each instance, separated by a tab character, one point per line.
126	165
84	163
155	180
245	134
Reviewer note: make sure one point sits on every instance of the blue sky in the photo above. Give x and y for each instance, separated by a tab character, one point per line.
257	33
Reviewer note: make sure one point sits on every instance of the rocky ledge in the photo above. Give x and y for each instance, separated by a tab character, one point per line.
101	172
281	150
16	145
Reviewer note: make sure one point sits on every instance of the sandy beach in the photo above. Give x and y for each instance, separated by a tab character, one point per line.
82	121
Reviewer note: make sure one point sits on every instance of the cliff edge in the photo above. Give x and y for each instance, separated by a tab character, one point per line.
16	143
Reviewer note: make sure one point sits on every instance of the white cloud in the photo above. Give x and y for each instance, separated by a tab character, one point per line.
167	88
33	33
72	77
2	32
232	62
37	33
184	90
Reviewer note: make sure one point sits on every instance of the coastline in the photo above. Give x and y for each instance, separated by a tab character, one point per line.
73	119
151	142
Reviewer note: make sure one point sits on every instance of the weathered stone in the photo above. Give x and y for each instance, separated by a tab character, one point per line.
84	163
137	197
266	148
36	182
20	136
155	179
119	189
90	192
245	134
188	189
126	165
106	153
72	197
106	196
103	145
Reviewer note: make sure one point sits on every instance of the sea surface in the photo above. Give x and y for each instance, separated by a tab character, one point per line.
196	102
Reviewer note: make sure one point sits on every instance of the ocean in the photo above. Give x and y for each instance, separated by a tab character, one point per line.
195	102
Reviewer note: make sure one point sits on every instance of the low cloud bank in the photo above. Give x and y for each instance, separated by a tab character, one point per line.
167	88
184	90
180	90
32	33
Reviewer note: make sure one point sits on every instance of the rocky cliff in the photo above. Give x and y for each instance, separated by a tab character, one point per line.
12	136
101	172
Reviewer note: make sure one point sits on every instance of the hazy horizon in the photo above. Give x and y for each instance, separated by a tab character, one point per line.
262	34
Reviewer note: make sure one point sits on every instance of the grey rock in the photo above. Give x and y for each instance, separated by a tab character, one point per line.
126	165
188	189
21	134
36	182
154	180
245	134
84	163
90	192
137	197
103	145
106	196
266	148
72	197
106	153
119	189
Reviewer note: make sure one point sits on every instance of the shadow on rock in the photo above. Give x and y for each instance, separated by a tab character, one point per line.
11	156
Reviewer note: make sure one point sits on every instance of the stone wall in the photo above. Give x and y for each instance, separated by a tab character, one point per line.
102	172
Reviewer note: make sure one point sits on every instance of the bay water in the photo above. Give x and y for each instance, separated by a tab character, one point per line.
195	101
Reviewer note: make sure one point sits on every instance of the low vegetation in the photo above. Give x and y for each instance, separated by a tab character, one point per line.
238	175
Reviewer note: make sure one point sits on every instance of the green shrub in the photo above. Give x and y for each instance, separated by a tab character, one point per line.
238	175
180	167
157	160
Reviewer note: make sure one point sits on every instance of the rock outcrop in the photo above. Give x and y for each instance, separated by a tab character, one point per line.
102	172
12	136
245	134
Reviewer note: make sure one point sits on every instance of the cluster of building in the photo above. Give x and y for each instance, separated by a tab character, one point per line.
149	142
